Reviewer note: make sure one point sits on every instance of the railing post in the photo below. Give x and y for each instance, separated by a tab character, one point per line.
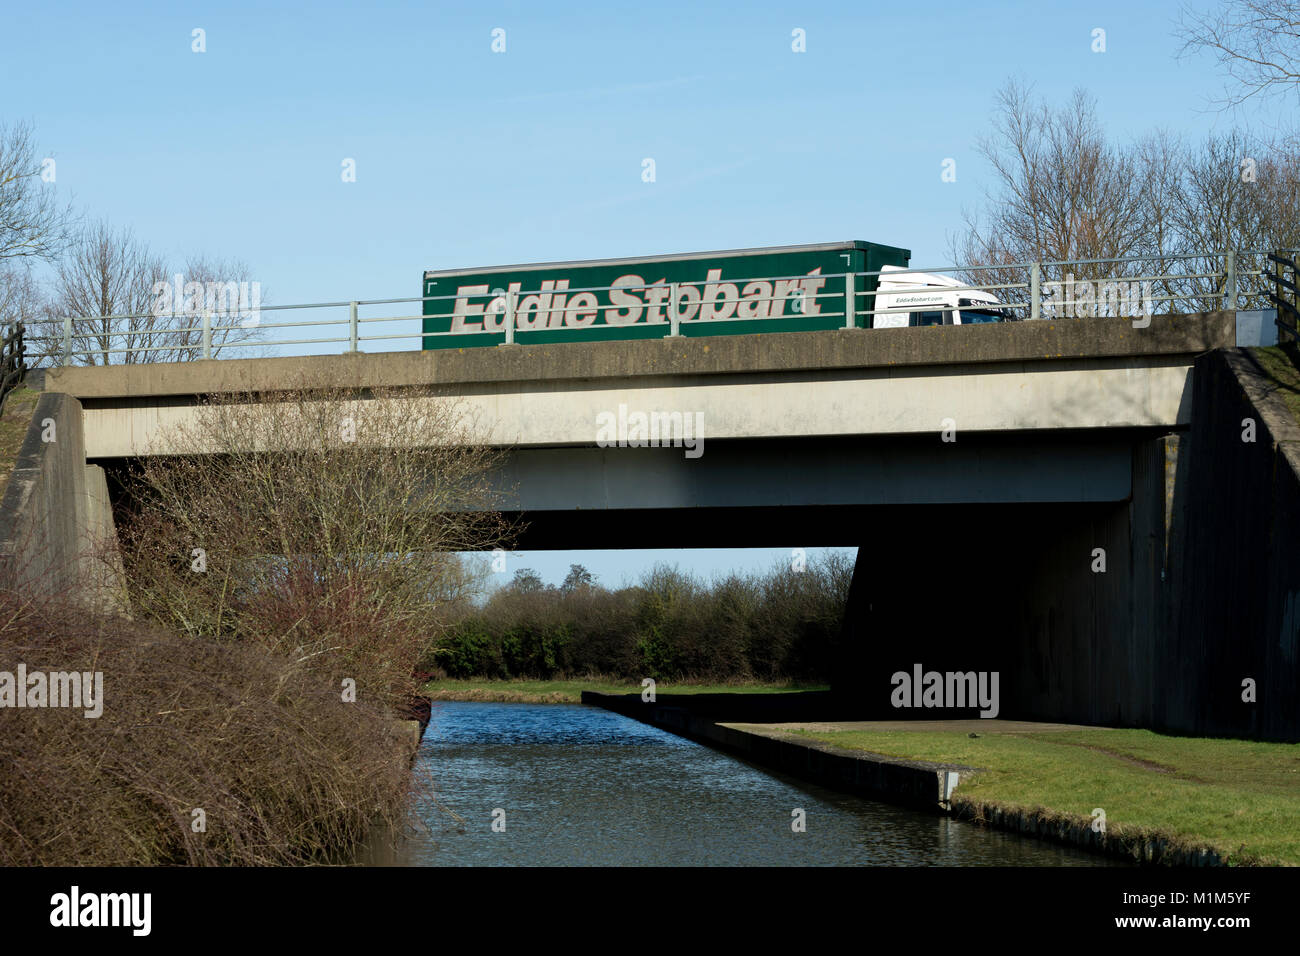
1295	280
207	334
510	318
1280	261
67	340
352	326
674	320
1230	282
850	302
1035	291
1295	296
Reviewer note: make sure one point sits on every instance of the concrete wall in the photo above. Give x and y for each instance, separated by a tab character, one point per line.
57	536
1007	590
1086	640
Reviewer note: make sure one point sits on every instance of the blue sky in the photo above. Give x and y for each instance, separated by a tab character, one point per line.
615	569
465	157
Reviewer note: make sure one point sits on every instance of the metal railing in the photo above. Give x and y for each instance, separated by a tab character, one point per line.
13	362
1184	282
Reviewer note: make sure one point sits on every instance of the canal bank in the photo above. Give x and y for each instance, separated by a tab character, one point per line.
768	733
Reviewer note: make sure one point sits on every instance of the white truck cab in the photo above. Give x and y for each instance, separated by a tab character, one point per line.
922	298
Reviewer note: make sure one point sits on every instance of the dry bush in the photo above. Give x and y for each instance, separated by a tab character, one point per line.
284	771
319	524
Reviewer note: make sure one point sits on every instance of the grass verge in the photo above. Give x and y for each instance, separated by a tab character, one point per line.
570	691
1239	797
15	417
1277	364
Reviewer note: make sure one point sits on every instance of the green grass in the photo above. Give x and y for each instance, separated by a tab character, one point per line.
1279	367
570	691
15	417
1240	797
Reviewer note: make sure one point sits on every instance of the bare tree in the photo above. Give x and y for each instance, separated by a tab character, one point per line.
33	224
1219	207
1059	192
21	297
128	307
109	276
225	291
1161	158
1256	42
321	524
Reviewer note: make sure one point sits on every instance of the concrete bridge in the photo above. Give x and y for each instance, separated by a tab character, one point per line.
1042	412
1070	442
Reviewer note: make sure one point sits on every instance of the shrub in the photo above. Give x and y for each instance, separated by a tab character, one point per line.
282	769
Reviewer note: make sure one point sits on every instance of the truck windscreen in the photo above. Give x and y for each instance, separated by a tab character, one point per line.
974	316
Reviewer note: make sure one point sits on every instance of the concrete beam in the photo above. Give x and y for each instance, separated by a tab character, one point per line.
823	472
1047	395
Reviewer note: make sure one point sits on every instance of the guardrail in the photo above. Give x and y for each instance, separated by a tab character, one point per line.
13	365
1049	289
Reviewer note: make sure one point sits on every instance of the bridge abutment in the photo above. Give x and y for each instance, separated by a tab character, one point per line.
1192	627
57	536
1231	649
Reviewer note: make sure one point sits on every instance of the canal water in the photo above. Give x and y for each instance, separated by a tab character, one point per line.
551	784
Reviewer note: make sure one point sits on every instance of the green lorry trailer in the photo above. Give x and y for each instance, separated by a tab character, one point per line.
736	291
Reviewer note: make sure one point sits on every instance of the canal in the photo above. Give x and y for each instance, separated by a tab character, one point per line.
550	784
